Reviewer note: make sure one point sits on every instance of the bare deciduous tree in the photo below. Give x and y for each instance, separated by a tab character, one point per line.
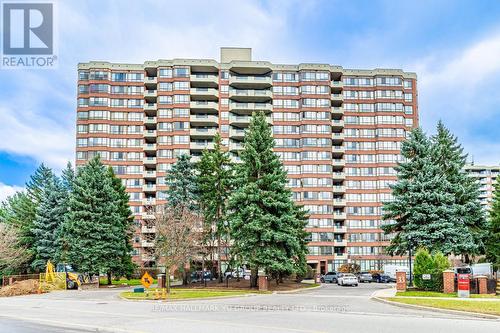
12	254
178	237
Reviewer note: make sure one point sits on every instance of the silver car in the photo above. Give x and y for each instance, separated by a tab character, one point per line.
347	279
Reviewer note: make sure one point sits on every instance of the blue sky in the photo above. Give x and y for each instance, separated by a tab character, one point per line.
454	46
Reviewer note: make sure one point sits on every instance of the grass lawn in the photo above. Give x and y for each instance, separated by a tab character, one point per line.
177	293
438	294
488	307
131	282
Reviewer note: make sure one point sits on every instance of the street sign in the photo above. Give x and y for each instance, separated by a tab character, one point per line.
146	280
463	285
426	276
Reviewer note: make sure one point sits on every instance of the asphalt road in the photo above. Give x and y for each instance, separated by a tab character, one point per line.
328	309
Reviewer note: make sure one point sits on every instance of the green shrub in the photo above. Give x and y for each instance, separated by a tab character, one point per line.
425	263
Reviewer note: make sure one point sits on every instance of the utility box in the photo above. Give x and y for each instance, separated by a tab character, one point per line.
463	282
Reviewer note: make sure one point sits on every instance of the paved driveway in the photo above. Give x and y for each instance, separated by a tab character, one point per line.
329	309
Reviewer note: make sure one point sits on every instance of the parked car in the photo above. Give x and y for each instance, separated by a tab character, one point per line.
196	276
237	273
330	277
347	279
382	278
365	277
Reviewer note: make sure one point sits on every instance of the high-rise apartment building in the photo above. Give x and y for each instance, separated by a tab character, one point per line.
338	132
487	177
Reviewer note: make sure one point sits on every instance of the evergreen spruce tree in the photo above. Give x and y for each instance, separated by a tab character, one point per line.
181	182
449	156
493	230
68	176
266	227
49	218
215	182
125	267
94	223
20	210
423	208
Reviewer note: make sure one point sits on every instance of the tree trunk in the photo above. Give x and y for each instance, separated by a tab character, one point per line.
109	278
254	278
167	279
219	266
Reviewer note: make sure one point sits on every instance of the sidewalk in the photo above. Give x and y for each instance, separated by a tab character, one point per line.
391	292
385	293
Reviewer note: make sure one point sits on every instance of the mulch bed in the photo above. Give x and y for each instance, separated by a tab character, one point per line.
245	284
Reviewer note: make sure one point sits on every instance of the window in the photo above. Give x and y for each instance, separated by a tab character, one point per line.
181	72
165	72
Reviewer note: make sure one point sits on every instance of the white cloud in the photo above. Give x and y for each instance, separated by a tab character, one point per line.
460	87
7	190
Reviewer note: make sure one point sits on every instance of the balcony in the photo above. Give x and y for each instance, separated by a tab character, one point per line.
204	106
238	120
204	93
204	80
149	202
149	188
202	132
337	137
149	161
340	230
200	145
150	121
150	134
337	97
338	189
150	107
341	256
249	82
339	202
150	79
146	257
337	110
148	230
236	133
339	242
338	150
250	95
337	124
338	176
145	243
148	216
149	147
149	174
338	162
339	215
248	108
204	119
236	146
151	93
337	85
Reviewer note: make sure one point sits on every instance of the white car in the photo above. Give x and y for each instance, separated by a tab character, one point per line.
347	279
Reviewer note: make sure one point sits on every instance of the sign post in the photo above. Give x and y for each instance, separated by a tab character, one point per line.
463	285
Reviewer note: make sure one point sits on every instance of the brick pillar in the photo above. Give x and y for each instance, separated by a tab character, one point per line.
448	282
483	284
262	283
401	281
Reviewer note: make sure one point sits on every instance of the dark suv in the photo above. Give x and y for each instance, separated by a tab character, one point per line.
330	277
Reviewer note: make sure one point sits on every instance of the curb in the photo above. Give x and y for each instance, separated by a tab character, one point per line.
188	299
298	290
427	308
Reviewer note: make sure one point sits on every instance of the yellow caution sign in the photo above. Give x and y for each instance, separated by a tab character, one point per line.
146	280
